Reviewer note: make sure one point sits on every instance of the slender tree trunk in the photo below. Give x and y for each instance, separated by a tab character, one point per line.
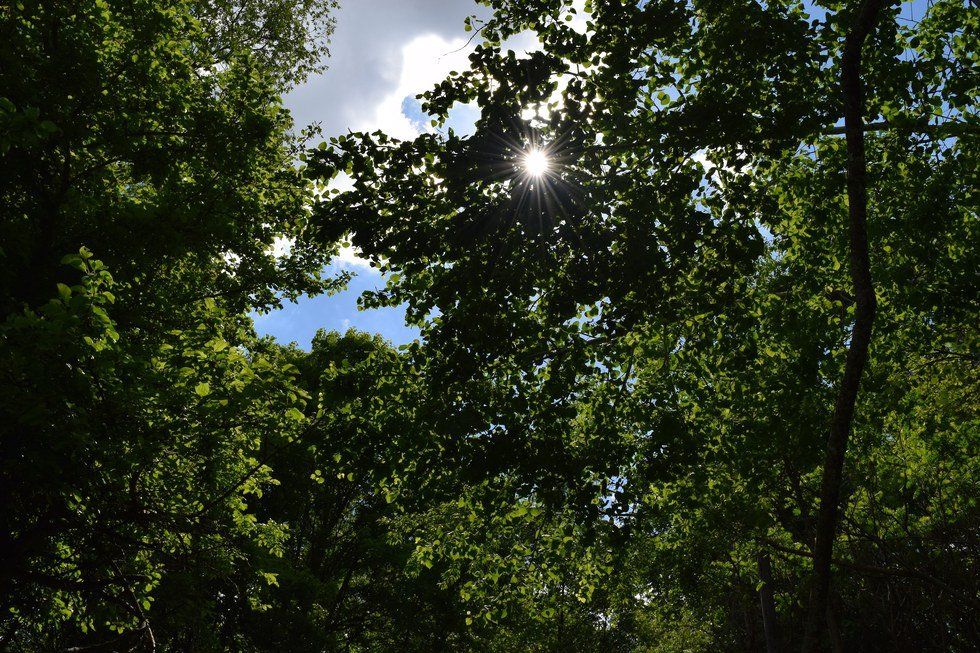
338	599
748	616
864	313
833	627
770	623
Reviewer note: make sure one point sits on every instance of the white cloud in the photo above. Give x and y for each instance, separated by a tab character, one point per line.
580	18
342	183
368	56
349	258
425	61
281	246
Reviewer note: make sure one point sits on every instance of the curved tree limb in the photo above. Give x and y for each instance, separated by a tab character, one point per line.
864	314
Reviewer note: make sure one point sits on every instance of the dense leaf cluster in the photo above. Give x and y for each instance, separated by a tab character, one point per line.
648	339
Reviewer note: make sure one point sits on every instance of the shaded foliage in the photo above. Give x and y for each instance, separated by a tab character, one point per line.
611	433
650	336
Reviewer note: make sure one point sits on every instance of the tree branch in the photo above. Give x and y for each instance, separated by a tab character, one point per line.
879	571
919	127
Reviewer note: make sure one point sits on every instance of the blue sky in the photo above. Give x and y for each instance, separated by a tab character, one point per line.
299	322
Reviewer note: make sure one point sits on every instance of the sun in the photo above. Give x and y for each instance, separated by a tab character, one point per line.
535	162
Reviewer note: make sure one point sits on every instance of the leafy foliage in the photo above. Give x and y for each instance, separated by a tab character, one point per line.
147	172
650	335
610	435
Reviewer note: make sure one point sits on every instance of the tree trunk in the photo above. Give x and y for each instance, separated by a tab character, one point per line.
833	627
770	623
864	312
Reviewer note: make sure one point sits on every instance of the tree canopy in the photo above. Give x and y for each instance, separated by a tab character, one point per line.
703	377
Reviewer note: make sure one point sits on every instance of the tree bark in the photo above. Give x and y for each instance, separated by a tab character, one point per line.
770	623
864	313
833	628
